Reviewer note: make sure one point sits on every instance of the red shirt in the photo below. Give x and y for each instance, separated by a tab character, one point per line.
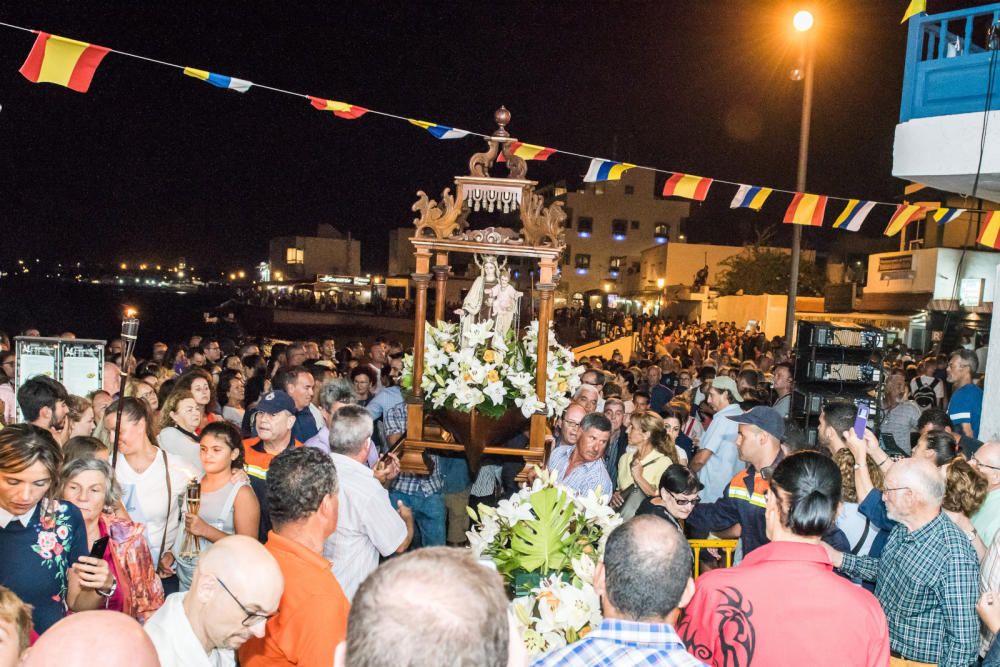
784	606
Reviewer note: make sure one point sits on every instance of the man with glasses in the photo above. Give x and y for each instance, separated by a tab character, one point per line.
569	426
235	589
987	519
927	578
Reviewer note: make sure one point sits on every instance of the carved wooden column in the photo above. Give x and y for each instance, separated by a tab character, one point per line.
545	286
415	409
441	271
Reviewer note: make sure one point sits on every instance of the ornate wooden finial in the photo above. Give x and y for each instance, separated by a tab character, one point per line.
502	118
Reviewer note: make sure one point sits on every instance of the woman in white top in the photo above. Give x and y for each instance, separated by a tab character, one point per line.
178	421
232	393
153	482
228	505
857	527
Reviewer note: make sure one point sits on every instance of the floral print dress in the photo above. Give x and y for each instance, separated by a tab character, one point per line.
35	559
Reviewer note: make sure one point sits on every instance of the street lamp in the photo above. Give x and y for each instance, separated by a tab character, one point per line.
803	23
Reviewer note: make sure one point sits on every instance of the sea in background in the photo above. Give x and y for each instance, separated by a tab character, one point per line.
95	311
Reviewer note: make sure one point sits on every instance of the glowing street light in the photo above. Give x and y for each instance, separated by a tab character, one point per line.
803	21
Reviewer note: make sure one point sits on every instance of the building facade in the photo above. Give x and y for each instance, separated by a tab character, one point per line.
306	257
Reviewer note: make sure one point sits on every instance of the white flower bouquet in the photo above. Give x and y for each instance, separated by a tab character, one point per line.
478	377
546	541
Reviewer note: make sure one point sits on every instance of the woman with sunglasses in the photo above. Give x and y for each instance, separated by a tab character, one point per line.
742	613
678	496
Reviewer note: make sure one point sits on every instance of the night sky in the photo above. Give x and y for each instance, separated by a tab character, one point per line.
151	165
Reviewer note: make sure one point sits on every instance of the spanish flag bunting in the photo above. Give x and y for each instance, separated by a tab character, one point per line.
62	61
688	186
990	236
605	170
339	109
219	80
750	196
943	216
806	209
853	215
915	7
530	151
439	131
904	215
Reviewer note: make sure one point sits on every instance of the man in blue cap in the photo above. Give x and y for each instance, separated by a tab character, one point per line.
744	499
274	419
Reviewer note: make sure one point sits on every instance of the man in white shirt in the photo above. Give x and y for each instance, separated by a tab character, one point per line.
236	588
367	525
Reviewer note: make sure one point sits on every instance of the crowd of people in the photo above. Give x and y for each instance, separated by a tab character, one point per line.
255	511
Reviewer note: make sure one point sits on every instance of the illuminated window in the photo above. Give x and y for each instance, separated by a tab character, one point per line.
615	265
582	264
294	256
619	229
661	233
585	227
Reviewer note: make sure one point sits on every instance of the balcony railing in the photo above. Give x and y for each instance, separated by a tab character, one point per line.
947	63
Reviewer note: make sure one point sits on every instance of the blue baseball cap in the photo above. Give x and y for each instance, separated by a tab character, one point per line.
275	402
764	418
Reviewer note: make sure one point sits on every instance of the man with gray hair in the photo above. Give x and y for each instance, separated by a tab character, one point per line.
588	396
966	405
367	525
643	580
434	606
927	577
581	467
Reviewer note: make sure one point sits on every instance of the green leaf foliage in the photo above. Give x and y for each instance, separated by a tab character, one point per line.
539	544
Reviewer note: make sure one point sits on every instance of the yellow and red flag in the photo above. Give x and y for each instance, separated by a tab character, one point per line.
62	61
990	236
688	186
904	215
339	109
806	209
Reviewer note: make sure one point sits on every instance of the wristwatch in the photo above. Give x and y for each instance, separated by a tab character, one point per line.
972	534
114	587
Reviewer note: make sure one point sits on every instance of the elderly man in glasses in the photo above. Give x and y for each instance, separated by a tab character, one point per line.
987	519
235	589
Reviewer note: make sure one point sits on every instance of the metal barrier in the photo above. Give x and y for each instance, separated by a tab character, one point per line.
727	546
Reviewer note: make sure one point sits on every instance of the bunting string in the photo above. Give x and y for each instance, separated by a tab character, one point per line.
72	64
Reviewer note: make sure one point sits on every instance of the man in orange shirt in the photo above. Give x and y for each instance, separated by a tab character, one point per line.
312	614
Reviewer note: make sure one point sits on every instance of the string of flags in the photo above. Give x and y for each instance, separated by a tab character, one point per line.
73	64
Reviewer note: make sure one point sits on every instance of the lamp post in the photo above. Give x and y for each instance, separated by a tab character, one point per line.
803	23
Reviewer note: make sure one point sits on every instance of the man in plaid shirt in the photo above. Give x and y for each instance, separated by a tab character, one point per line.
927	578
643	580
421	493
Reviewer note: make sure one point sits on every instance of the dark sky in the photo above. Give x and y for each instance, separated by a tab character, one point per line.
152	165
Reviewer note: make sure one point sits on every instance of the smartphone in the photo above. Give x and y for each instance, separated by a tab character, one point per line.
861	422
100	546
395	450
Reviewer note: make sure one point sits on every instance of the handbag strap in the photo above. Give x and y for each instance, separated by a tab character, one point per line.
170	505
864	535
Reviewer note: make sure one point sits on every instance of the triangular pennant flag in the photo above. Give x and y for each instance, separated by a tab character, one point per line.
687	186
990	236
904	215
219	80
65	62
750	196
439	131
943	216
605	170
806	209
339	109
915	7
853	215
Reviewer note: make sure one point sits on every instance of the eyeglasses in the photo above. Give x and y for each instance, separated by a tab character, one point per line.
684	502
252	617
898	488
979	463
570	422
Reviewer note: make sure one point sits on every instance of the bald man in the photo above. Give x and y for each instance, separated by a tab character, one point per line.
235	589
987	518
105	638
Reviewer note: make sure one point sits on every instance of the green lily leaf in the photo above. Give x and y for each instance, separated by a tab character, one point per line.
539	544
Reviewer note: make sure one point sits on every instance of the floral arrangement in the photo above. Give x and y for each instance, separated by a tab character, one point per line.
478	377
546	541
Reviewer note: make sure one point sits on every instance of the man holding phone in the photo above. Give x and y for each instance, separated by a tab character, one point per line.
368	525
